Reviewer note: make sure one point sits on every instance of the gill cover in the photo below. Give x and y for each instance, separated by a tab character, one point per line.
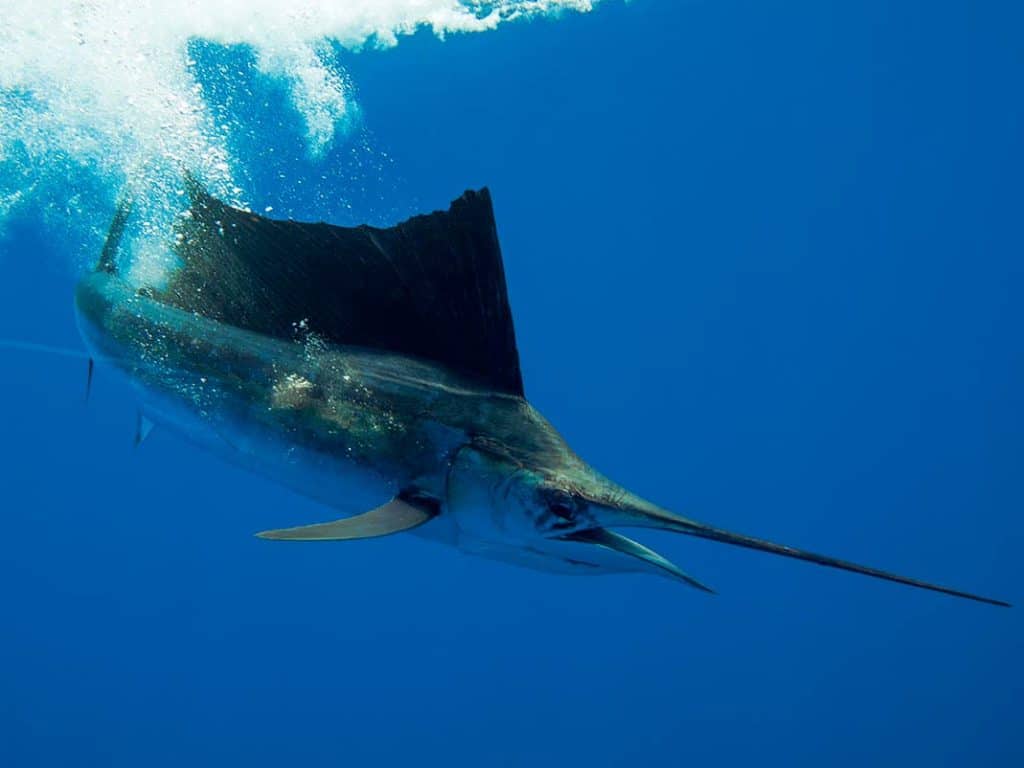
491	498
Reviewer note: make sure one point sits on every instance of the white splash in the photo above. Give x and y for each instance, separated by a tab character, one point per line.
107	90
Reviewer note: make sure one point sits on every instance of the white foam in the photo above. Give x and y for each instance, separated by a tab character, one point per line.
106	88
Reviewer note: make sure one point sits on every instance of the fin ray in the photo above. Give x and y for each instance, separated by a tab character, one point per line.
108	256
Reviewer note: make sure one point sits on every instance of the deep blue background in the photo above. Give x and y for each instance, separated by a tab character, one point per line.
766	266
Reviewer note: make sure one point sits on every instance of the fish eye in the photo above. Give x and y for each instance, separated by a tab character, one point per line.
562	505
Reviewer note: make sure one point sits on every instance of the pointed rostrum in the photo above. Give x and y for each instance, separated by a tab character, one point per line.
655	518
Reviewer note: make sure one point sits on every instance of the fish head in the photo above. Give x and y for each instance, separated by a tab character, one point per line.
562	517
556	520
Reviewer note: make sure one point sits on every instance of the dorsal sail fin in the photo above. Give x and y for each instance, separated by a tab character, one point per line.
431	287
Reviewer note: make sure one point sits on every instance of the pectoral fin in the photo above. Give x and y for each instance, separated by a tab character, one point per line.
399	514
143	426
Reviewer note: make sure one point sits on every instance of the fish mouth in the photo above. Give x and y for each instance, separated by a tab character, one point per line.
616	542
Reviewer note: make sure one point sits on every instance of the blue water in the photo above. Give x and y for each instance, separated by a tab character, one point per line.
765	262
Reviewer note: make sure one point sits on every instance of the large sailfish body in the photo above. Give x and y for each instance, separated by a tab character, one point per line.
373	369
346	426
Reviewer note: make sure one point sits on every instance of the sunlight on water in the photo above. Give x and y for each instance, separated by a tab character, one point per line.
99	95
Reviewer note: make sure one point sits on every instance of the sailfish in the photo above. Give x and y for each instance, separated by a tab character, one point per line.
374	370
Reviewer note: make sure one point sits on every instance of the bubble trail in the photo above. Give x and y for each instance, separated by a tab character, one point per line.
96	94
